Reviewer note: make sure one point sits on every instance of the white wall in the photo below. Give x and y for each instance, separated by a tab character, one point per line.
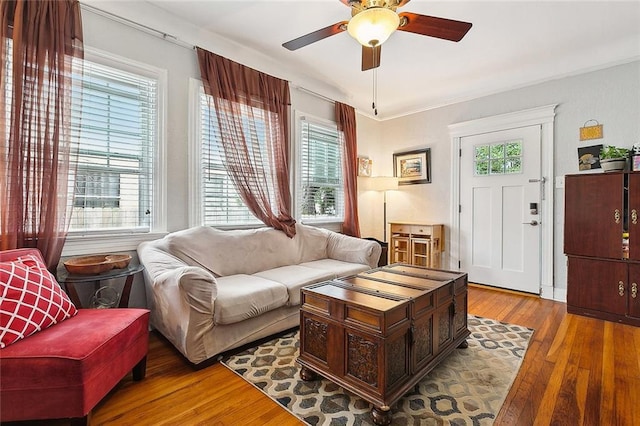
611	96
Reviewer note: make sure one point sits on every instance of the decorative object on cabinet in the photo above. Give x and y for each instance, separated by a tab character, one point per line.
589	157
635	157
613	159
602	243
416	244
364	166
412	167
591	132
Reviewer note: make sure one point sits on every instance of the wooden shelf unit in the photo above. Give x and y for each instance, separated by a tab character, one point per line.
416	244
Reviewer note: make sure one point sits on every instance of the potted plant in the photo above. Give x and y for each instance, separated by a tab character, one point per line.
613	159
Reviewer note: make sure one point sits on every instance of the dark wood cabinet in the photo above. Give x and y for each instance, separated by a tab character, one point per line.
594	215
603	279
594	285
633	292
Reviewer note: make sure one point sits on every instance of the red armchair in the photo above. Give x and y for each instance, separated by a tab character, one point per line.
64	370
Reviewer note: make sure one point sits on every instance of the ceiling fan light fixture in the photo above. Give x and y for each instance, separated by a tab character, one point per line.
373	26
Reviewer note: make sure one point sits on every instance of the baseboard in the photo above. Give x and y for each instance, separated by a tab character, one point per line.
547	292
504	290
560	295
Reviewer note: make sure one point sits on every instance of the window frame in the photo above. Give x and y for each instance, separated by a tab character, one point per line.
334	224
86	241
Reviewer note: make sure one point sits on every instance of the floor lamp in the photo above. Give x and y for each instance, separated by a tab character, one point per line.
384	184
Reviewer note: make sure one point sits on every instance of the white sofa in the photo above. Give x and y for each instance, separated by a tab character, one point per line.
211	290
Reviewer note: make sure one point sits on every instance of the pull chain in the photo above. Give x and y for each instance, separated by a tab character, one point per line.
375	91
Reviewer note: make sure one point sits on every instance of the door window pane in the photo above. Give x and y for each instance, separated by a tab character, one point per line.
498	158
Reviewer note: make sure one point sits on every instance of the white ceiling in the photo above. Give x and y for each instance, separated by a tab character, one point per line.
511	44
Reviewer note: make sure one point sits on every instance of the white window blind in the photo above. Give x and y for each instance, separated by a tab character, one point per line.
220	203
114	118
115	114
320	189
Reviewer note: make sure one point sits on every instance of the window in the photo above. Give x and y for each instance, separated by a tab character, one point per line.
116	106
498	158
219	202
116	115
320	189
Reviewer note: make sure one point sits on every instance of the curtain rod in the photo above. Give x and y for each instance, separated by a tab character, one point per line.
311	92
170	38
138	26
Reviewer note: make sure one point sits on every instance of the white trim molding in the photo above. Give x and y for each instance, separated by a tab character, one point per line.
543	116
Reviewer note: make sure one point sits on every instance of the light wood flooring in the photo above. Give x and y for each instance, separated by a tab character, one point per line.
577	371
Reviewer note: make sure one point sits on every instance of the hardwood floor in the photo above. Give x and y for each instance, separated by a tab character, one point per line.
577	371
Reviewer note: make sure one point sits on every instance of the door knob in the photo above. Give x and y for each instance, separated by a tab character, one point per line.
532	223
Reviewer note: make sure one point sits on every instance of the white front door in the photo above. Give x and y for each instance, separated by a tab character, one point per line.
499	186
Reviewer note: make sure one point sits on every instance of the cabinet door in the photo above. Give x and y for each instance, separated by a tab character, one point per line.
634	291
594	216
400	250
599	285
634	216
421	252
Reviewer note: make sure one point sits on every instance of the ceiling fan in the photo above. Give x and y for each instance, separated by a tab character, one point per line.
373	21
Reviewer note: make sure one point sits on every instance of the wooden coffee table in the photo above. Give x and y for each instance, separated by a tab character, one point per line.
378	333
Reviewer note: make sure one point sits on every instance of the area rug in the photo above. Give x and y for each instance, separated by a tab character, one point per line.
467	388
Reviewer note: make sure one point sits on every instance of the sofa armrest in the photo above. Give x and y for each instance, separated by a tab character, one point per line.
181	298
182	307
354	250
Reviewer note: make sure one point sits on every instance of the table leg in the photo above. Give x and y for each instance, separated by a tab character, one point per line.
307	375
126	290
73	294
381	415
463	345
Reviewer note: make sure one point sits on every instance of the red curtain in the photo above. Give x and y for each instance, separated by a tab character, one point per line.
35	136
346	119
249	105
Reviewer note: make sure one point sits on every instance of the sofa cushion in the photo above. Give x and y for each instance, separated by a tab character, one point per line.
245	251
244	296
311	242
338	267
31	299
294	277
64	371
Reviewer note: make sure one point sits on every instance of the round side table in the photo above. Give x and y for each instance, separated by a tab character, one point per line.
70	281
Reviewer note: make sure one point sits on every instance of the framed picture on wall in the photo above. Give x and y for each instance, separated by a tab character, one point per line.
364	166
412	167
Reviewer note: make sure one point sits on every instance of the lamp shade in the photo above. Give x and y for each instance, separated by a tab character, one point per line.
378	183
373	26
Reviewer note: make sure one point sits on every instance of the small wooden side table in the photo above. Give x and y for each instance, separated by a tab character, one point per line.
70	281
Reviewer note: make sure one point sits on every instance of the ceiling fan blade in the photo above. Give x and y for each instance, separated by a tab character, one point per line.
432	26
371	57
316	36
402	2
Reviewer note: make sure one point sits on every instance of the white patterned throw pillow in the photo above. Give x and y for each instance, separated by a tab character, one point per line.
30	299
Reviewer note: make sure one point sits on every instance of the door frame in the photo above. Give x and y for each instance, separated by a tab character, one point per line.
543	116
